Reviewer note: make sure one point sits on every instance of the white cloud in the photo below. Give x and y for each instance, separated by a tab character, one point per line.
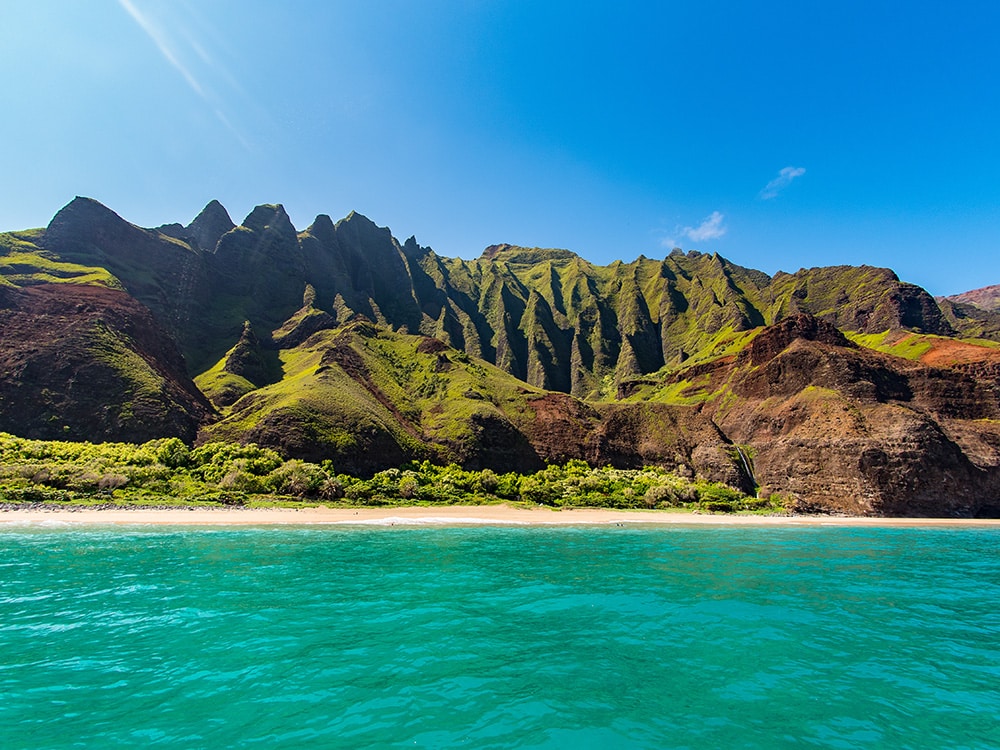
710	229
779	183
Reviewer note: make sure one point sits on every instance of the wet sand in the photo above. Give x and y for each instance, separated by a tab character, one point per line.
462	515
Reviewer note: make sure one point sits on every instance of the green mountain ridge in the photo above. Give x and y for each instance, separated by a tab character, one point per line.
340	343
546	316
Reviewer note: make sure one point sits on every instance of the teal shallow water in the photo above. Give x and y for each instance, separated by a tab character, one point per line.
633	637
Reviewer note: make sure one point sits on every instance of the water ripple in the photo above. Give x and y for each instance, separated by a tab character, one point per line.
499	637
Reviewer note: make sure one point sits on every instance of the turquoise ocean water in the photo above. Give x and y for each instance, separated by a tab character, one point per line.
610	637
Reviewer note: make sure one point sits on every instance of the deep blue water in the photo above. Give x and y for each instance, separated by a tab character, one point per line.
634	637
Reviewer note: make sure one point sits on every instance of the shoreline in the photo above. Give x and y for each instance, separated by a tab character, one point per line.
450	515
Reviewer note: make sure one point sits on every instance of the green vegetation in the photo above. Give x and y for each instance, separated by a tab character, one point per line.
844	295
425	401
22	263
907	345
912	345
725	343
167	472
563	322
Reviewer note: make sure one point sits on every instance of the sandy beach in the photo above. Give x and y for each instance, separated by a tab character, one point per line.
497	515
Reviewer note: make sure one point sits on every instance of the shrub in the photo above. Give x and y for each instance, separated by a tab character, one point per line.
111	482
33	494
297	478
659	495
242	481
718	506
535	489
171	452
331	488
508	485
488	481
408	486
359	492
719	493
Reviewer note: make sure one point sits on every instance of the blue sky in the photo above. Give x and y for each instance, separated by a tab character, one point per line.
781	135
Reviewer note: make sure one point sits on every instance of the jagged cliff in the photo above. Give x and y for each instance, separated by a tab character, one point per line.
548	317
340	342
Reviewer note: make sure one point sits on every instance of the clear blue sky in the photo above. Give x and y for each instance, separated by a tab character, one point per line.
779	134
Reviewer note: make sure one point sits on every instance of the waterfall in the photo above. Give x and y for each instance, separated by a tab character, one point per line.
746	465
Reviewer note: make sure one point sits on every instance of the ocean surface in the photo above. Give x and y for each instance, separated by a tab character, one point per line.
499	637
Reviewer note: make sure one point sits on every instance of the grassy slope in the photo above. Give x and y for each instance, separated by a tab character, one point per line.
927	348
424	402
22	263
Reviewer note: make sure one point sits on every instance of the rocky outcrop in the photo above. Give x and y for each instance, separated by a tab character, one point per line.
840	428
970	320
304	323
248	359
776	338
855	298
166	276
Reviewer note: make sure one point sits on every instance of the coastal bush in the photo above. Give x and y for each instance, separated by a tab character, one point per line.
508	486
718	506
358	492
538	489
488	481
33	494
718	493
171	452
112	482
241	480
659	495
296	478
331	488
408	485
167	471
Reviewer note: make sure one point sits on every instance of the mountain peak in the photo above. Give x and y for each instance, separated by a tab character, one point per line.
84	209
322	227
86	217
361	226
269	216
356	219
209	225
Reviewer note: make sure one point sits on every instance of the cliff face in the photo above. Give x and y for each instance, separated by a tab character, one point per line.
845	428
842	387
548	317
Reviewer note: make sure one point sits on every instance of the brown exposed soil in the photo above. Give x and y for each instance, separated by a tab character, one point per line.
851	430
87	362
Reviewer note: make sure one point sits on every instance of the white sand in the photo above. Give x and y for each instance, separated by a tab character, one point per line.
497	515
